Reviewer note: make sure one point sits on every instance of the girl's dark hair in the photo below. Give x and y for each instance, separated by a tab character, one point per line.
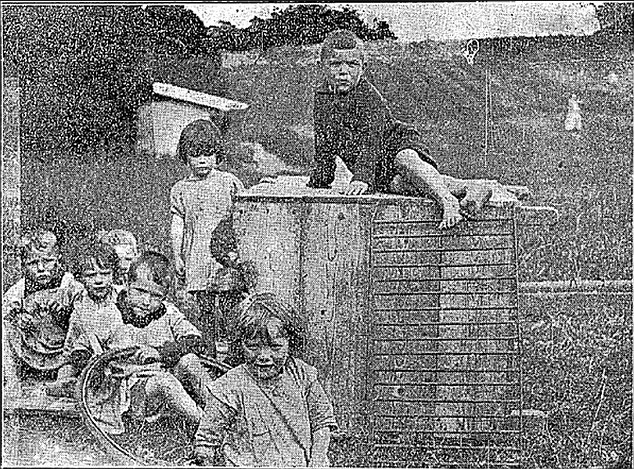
101	255
201	137
155	266
251	316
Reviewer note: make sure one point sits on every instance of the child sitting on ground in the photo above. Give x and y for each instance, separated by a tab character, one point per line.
94	308
35	313
199	203
155	381
125	245
271	410
353	121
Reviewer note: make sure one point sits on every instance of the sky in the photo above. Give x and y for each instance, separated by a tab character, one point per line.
439	21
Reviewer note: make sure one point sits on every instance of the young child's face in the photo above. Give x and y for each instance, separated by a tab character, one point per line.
145	298
40	267
201	165
344	69
266	356
98	281
126	254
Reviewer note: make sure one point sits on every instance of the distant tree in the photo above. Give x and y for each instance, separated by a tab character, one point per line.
616	17
81	68
296	25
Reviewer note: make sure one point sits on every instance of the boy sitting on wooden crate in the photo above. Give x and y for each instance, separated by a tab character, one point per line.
354	122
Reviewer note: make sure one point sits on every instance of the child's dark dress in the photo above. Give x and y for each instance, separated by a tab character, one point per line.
359	127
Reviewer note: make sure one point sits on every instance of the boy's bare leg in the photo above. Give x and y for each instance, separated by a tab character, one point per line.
193	376
427	180
165	388
473	194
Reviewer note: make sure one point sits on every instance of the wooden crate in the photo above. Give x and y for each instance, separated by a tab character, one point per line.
381	288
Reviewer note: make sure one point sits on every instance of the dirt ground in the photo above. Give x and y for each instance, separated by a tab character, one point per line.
48	441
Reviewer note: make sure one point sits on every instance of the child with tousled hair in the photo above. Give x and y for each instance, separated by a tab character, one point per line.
354	122
35	313
125	245
94	308
271	410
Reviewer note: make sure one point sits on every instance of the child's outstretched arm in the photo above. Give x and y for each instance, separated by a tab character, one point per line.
176	234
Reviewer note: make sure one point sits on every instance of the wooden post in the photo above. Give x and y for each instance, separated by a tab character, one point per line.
10	179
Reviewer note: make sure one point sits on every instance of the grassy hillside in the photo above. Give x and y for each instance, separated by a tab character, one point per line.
587	177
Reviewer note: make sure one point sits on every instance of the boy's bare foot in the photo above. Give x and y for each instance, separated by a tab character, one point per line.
450	214
477	195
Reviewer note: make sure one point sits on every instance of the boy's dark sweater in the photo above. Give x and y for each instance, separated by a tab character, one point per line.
359	127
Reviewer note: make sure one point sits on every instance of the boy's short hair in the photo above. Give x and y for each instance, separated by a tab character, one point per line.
39	241
341	39
198	138
117	238
256	310
155	267
101	255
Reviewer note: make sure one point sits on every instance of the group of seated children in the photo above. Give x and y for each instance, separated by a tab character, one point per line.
119	300
271	395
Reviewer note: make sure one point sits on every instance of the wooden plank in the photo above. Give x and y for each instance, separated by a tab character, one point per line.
33	399
335	289
269	235
11	171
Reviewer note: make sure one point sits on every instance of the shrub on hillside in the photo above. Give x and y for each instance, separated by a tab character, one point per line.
296	25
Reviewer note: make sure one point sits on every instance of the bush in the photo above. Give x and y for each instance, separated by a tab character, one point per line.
296	25
81	68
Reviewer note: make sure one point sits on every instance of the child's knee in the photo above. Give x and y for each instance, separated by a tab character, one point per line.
188	362
162	384
408	161
66	371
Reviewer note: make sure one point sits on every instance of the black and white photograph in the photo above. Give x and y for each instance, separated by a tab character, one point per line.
317	234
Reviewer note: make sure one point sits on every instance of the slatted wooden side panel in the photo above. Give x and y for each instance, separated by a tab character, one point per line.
445	375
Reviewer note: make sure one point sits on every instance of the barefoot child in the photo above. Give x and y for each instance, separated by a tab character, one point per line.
199	203
94	308
35	313
353	121
125	245
271	410
155	380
